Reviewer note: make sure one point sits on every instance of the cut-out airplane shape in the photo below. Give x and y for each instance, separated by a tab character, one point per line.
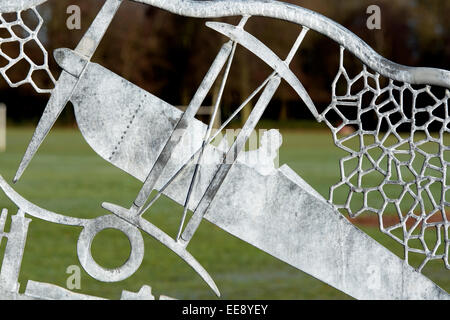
156	143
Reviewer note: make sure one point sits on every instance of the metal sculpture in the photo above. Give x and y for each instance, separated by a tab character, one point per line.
216	183
18	31
415	163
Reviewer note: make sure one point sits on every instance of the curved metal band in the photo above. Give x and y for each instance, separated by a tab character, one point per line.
164	239
7	6
311	20
248	41
36	211
92	267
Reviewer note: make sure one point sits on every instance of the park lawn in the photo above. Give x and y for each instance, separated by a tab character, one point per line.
68	177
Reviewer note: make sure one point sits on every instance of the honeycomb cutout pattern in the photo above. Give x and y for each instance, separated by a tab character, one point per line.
19	36
396	140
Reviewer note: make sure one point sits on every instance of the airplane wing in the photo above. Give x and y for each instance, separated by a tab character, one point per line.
278	213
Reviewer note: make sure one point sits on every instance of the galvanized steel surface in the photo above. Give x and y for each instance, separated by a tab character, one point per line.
414	163
272	209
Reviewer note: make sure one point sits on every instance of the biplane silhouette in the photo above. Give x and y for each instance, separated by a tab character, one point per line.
148	138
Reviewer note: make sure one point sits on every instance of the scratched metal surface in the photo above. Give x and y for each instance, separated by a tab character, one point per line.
138	124
278	213
275	211
18	30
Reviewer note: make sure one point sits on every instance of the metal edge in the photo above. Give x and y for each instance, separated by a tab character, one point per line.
18	5
36	211
165	240
312	20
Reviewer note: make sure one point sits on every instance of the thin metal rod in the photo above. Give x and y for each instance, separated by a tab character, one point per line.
237	147
205	140
242	106
92	38
180	128
296	46
289	58
210	126
160	192
233	153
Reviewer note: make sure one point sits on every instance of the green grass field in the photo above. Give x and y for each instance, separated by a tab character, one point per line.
68	177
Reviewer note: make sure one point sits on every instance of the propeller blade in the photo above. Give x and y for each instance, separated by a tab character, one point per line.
58	100
67	82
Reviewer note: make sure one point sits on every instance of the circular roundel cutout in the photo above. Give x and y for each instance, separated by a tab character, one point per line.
98	272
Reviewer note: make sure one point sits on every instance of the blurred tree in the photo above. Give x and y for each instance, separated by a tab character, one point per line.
169	55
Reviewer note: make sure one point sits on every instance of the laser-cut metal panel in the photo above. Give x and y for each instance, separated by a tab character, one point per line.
272	209
400	142
22	31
